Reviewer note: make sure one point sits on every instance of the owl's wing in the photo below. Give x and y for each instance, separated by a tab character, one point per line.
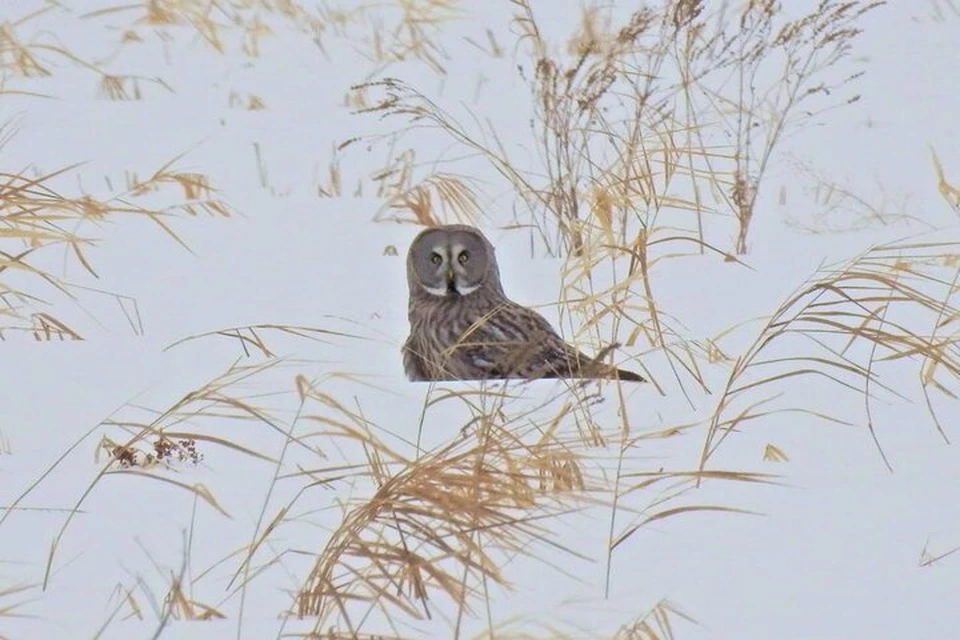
516	342
413	363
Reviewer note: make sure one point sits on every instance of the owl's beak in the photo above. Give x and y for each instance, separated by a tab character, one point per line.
451	281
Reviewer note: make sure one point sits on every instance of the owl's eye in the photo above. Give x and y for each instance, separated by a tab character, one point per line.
436	258
463	257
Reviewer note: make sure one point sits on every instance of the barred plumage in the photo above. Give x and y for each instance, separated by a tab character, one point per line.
463	327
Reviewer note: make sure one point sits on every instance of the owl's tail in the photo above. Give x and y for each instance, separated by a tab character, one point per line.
605	372
601	370
629	376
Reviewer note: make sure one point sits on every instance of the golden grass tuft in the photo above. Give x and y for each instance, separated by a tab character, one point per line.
437	525
438	199
180	606
22	58
656	624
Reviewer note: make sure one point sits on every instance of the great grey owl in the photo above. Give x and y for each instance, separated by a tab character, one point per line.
463	326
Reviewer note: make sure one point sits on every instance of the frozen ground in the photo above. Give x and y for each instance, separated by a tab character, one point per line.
836	552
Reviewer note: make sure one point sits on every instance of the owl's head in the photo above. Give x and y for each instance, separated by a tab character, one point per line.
451	261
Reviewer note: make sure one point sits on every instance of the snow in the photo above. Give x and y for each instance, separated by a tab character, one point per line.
833	550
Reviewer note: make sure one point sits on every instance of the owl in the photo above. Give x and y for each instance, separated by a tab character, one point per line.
463	326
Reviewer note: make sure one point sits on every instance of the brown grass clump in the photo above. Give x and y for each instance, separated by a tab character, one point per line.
435	526
437	198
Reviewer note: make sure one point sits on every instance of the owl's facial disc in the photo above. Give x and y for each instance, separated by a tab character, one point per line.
452	273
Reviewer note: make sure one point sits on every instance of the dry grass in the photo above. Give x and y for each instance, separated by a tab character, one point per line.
430	532
652	138
700	107
614	178
32	57
949	190
386	33
37	221
424	531
243	24
253	342
9	606
892	304
177	602
657	624
165	439
842	209
437	525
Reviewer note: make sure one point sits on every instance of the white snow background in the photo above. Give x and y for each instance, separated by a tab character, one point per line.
834	550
